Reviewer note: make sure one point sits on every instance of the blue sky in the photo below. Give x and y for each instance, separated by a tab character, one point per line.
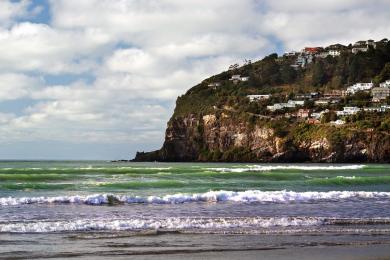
98	79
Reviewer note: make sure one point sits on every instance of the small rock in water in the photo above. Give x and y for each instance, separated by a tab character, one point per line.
112	200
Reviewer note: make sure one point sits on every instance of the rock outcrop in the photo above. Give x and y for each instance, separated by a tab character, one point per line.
222	138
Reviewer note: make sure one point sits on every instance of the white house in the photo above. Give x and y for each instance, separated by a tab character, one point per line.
316	115
296	102
322	102
359	87
334	53
214	84
351	110
338	122
289	104
271	108
258	97
348	111
291	53
364	44
385	84
236	78
359	49
383	108
276	106
374	109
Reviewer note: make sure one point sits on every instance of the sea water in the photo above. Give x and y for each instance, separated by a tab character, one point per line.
92	208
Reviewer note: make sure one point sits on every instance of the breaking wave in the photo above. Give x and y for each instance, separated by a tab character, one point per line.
259	168
206	224
249	196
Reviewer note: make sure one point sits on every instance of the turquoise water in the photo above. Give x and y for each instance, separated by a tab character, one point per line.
61	178
39	200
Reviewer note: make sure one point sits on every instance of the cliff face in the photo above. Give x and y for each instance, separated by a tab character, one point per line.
219	137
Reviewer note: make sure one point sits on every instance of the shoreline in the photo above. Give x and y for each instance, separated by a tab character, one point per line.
179	246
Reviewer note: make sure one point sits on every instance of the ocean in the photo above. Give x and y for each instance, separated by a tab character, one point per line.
105	210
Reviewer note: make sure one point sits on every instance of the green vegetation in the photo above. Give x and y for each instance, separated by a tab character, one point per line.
283	80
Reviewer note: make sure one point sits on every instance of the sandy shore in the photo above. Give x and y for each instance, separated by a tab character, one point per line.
335	252
174	246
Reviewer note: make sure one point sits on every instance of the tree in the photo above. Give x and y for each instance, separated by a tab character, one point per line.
319	76
287	74
333	116
327	117
383	75
353	70
272	56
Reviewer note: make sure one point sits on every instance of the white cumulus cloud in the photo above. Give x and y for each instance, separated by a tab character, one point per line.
128	60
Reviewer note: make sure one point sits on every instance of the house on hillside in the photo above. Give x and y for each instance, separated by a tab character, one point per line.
301	61
322	55
365	43
371	43
335	94
355	50
214	85
362	46
312	50
290	53
289	104
375	109
303	113
258	97
385	84
308	95
238	78
303	96
296	102
322	102
379	94
337	46
347	111
276	106
334	53
338	122
359	87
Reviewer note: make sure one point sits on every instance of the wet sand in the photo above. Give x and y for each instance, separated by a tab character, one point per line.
192	246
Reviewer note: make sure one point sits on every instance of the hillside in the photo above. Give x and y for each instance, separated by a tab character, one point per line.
321	104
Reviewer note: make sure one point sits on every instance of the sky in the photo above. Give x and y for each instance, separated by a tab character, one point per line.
98	79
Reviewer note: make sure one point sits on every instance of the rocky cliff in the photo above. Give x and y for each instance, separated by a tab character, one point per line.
221	138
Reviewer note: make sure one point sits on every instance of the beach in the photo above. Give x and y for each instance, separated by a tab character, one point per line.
179	246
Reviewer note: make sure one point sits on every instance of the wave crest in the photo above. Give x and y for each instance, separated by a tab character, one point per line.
211	196
191	224
260	168
171	223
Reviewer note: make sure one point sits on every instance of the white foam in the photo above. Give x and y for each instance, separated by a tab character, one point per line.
259	168
170	223
347	177
211	196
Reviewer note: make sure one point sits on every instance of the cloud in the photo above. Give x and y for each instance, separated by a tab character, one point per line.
320	23
16	86
38	47
11	10
130	59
